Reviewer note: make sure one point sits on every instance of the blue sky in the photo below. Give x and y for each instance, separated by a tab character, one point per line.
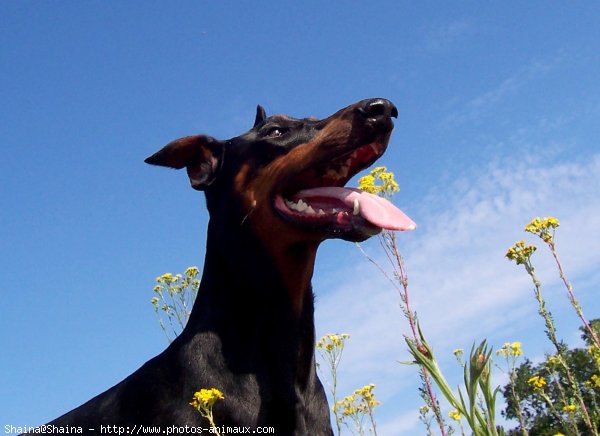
499	107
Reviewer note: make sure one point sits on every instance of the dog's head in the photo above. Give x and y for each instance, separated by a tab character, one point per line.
285	177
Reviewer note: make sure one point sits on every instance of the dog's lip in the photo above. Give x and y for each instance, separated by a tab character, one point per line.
343	207
334	169
323	203
334	219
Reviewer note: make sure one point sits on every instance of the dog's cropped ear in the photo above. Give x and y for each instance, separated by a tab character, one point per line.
261	115
201	155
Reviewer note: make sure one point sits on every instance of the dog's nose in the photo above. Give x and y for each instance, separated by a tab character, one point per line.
378	108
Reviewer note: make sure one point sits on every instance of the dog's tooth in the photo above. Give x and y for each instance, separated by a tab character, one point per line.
335	210
291	204
348	162
356	209
344	171
302	206
309	210
374	148
321	212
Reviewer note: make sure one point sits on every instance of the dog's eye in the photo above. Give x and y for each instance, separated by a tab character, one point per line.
276	132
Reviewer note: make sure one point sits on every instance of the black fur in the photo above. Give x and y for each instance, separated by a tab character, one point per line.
246	336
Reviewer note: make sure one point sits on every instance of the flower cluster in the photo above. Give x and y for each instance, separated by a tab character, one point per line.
361	402
174	296
520	252
510	349
387	185
569	408
595	353
203	402
543	227
206	398
175	284
331	341
348	406
167	278
368	397
188	276
538	382
593	382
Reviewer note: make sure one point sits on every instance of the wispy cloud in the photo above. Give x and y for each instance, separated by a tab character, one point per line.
482	104
462	286
446	36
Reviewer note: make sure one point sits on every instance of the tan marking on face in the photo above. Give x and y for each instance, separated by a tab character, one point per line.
293	250
240	186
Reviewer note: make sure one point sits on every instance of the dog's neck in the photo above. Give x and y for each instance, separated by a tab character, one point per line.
244	298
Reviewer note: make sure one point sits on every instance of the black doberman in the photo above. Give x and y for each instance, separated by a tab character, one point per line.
273	195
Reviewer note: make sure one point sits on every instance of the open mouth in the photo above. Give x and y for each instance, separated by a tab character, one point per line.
318	200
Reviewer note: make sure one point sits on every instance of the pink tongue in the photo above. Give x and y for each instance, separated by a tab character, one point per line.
376	210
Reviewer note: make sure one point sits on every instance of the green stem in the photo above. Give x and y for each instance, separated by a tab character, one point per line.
517	401
572	299
551	333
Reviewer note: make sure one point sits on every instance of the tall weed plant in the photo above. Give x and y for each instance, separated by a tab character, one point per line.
558	397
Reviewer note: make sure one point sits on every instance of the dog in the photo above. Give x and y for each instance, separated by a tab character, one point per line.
273	195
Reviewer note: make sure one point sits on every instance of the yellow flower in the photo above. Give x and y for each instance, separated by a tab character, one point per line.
367	184
331	341
538	382
569	408
558	434
510	349
191	271
516	349
206	398
361	402
553	360
543	227
387	187
594	381
167	277
533	225
368	397
347	405
520	252
595	353
455	415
